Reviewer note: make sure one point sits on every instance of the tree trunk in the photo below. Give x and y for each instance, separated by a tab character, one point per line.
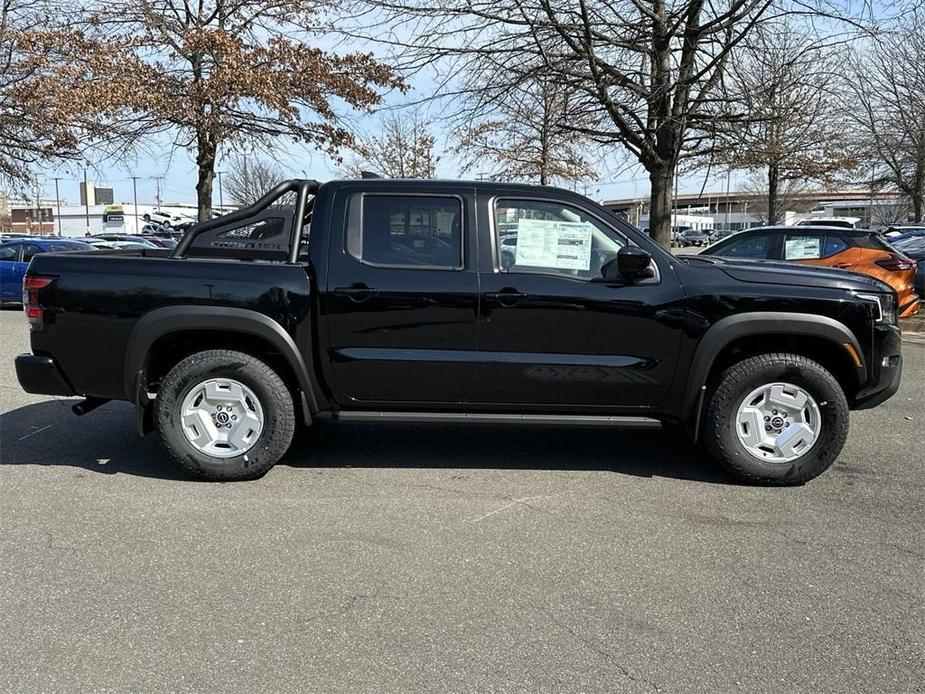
205	163
918	206
773	181
661	179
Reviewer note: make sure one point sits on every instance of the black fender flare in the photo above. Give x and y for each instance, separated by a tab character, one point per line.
722	333
172	319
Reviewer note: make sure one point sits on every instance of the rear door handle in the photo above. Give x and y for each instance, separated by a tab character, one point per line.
506	297
842	266
358	293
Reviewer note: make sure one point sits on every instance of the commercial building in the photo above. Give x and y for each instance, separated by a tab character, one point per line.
739	210
91	194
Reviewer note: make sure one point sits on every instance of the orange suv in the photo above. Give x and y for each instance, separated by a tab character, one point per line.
858	250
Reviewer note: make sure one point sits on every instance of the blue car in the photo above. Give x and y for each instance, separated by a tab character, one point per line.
16	254
908	233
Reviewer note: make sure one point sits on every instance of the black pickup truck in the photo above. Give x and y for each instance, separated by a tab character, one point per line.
457	301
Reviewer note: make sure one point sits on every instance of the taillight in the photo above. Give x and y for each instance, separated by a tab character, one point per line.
31	288
896	263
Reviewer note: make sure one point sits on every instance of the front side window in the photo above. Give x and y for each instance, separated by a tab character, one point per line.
812	246
407	231
8	253
759	246
533	236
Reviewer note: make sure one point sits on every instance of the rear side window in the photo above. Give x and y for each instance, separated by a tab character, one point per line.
28	251
758	246
406	231
833	245
65	246
874	242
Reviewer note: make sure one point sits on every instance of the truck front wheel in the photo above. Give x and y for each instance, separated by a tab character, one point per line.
224	415
776	419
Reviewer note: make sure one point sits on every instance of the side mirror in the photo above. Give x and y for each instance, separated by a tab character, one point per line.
631	264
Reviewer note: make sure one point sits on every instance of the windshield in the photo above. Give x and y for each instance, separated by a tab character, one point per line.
913	243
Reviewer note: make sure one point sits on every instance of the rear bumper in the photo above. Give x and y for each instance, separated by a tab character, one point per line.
41	375
886	368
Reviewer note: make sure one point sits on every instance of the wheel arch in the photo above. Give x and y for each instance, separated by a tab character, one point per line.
203	323
821	338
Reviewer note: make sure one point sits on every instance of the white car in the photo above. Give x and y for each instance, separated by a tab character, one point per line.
165	218
839	222
106	245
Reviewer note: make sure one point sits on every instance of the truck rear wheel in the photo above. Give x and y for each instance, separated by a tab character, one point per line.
776	419
224	415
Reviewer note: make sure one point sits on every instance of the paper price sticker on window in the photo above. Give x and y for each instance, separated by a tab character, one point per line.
802	247
555	245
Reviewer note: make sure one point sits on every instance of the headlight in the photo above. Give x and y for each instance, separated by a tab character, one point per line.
886	306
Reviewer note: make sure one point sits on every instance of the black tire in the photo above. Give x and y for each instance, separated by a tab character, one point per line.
275	400
146	217
738	381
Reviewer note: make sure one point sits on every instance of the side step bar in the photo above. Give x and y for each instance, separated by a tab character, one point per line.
479	418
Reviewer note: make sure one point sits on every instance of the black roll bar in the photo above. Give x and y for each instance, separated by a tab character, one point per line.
302	188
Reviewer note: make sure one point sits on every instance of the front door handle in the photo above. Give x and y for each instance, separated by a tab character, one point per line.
506	297
842	266
358	293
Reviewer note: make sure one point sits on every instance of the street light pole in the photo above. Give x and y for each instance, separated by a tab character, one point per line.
728	175
135	196
86	202
38	202
58	203
221	197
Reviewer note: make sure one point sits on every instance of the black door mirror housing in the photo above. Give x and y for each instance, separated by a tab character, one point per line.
631	265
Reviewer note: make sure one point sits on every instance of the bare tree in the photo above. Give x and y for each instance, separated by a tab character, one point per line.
792	195
788	83
402	148
888	108
886	214
523	132
221	72
646	72
250	177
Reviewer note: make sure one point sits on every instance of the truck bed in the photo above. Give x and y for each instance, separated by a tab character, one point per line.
97	299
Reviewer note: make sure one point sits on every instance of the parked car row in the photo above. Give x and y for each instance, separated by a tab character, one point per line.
17	251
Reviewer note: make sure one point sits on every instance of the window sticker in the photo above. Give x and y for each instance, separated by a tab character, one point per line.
553	244
802	247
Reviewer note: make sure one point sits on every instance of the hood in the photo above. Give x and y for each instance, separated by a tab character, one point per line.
779	272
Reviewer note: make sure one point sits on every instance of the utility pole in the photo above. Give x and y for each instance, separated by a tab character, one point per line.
135	195
86	201
58	203
247	182
157	183
221	198
728	176
38	202
674	202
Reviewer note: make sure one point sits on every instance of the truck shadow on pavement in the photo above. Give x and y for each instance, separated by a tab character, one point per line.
49	434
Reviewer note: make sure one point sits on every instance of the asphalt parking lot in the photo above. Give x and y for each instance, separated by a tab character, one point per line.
455	558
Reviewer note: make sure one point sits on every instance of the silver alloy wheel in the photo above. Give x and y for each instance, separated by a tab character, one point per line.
222	417
778	422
